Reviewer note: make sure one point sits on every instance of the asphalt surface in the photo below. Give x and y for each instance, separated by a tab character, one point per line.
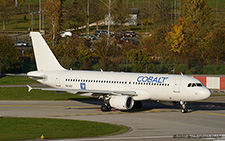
205	120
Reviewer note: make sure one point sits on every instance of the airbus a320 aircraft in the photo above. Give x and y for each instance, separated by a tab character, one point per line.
119	90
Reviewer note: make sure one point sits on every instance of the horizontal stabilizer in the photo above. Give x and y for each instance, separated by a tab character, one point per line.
25	75
29	88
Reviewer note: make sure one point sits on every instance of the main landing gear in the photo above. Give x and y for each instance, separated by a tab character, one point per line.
106	106
183	107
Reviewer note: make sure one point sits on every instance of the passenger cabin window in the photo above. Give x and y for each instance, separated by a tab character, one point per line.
125	82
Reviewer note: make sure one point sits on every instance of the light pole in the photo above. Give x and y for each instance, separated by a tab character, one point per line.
109	17
87	24
16	3
40	15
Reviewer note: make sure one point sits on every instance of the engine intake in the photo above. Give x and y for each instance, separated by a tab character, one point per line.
121	102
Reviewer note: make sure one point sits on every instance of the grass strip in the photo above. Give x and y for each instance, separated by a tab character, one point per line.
34	128
22	93
16	80
215	95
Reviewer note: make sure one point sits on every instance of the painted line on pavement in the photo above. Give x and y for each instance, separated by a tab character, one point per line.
210	113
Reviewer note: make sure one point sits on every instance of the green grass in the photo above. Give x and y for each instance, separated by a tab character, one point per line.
138	3
16	80
23	94
34	128
212	3
18	23
214	95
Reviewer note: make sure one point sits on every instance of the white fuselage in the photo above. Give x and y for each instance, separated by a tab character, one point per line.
159	87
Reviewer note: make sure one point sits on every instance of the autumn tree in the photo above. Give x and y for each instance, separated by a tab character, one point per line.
139	58
183	40
197	11
97	11
53	12
72	53
120	13
8	54
155	45
85	55
76	13
187	37
155	41
6	10
162	11
176	38
18	1
215	43
66	51
102	53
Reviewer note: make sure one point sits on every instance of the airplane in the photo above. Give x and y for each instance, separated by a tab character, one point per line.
119	90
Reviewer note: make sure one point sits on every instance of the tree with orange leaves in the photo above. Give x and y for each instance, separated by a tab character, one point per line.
181	36
183	41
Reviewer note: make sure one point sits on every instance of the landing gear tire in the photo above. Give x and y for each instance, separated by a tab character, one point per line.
184	110
105	108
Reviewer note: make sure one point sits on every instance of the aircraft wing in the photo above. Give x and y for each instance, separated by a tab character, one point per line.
96	93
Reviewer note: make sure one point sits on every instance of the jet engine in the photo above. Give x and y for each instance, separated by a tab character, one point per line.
121	102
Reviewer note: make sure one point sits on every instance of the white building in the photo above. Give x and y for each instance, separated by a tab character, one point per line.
132	20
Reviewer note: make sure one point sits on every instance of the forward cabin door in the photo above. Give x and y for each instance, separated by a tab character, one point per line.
177	85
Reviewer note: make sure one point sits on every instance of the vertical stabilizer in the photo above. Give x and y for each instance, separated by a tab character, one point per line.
45	59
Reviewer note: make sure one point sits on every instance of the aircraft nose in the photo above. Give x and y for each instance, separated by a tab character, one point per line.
204	93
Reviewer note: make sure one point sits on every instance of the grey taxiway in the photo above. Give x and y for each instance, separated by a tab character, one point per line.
205	120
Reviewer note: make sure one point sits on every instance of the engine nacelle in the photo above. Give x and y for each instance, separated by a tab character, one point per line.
121	102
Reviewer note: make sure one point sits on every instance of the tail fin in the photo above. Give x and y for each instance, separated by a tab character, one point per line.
45	59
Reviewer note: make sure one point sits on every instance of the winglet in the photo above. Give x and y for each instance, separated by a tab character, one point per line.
29	88
181	74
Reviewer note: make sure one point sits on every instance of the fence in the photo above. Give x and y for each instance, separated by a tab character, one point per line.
212	82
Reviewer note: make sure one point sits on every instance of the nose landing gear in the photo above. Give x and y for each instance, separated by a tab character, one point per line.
183	107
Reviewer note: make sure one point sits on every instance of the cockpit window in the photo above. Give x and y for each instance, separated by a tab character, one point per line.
189	85
194	85
199	84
